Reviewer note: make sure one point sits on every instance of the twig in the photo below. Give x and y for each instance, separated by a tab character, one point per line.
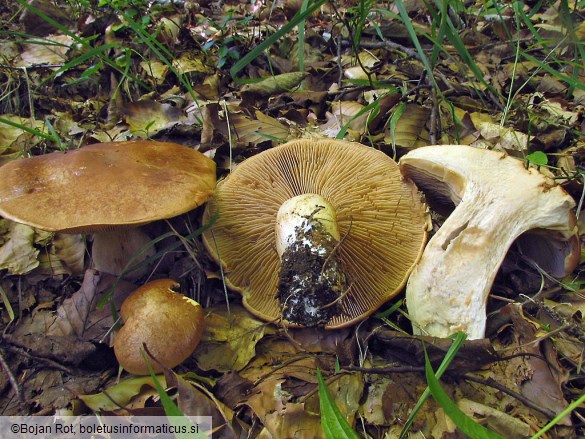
10	375
382	370
434	129
384	45
48	362
492	383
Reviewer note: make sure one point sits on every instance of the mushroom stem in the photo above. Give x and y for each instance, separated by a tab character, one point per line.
118	250
447	291
311	278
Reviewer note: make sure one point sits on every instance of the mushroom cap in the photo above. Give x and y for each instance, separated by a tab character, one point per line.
105	185
497	201
169	323
380	218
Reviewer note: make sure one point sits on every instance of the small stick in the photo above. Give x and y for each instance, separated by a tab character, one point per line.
10	375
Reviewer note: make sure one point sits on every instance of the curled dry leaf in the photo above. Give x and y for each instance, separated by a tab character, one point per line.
73	313
9	133
169	28
496	420
503	137
343	112
146	118
275	84
120	394
62	349
65	256
191	62
155	69
17	254
410	131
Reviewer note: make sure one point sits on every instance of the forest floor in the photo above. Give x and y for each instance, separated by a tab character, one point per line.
232	79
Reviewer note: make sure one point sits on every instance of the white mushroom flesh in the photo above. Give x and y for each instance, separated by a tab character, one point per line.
497	199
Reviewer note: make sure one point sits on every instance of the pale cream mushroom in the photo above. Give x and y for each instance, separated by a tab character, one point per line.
497	200
341	206
107	189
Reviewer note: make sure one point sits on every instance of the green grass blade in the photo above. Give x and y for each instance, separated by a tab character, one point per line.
301	45
553	71
370	107
414	38
91	52
458	340
334	424
517	6
461	420
441	19
257	51
575	404
54	23
81	41
396	115
29	130
163	54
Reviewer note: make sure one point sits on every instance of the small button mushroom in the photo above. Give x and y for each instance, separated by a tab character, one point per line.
316	232
497	200
108	189
168	323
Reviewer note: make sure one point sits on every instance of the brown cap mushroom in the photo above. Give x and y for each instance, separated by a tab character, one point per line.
288	197
497	199
168	323
105	186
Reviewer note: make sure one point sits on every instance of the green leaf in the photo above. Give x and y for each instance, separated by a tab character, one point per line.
334	424
537	158
414	38
464	422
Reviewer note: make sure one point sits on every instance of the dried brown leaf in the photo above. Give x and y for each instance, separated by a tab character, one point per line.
52	51
258	130
17	253
410	129
229	341
73	313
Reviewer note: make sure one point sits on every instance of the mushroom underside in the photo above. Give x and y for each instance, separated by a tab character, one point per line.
382	224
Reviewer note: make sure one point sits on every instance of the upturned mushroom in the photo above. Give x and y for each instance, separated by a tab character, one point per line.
316	232
169	324
107	189
497	200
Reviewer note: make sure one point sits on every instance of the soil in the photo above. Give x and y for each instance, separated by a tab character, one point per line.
311	277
